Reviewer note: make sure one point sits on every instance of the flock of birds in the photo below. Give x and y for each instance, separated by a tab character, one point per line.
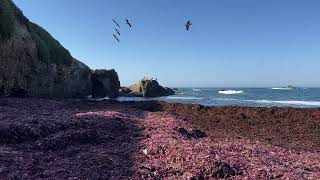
188	24
117	29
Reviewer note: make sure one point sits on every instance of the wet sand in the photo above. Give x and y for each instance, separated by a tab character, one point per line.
70	139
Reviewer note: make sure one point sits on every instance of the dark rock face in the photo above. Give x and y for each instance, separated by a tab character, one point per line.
150	88
33	63
105	83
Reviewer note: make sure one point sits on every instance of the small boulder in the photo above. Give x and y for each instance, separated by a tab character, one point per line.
124	91
224	170
185	133
194	134
197	134
105	83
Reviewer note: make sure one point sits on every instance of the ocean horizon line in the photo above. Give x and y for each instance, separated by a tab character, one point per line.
233	87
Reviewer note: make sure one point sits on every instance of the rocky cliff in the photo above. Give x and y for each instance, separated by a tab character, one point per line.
33	63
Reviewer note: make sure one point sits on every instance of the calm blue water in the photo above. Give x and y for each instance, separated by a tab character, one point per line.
256	97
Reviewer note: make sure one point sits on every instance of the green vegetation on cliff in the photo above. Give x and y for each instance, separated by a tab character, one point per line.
6	20
49	49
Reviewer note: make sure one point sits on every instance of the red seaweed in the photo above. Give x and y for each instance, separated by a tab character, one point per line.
69	139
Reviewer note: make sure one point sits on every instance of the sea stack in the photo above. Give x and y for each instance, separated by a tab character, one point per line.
150	88
105	83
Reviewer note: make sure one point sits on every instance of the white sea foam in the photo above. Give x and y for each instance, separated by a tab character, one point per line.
224	99
282	88
184	97
131	99
306	103
195	89
231	92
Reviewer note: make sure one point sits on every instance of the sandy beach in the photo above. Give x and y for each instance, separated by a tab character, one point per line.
79	139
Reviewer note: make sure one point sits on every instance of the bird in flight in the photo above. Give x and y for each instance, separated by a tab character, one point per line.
116	37
117	31
188	25
116	23
128	23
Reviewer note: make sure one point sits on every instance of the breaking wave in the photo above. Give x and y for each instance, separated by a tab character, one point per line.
282	88
196	89
306	103
184	97
230	92
224	99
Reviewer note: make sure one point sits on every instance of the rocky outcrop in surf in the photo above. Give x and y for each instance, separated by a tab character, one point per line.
105	83
33	63
150	88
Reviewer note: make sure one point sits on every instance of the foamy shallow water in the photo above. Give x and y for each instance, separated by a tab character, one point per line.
253	97
306	103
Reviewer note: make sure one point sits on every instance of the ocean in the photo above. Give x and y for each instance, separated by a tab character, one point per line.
253	97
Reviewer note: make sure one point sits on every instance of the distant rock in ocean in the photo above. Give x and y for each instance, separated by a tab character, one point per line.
292	87
149	88
33	63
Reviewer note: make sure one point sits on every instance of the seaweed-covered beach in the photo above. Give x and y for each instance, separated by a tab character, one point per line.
80	139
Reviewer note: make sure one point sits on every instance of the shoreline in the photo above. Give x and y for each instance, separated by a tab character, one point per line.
46	138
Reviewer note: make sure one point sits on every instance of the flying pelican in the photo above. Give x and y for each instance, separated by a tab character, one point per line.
116	37
188	25
128	23
117	31
116	23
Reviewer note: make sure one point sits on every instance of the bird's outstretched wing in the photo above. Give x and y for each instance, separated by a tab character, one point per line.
128	23
116	23
116	37
188	25
117	31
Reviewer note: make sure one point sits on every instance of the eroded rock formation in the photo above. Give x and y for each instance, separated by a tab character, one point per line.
105	83
150	88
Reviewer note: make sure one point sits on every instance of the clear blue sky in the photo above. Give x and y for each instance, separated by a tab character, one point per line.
231	43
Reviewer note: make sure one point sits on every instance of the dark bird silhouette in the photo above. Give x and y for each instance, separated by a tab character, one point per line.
116	37
128	23
117	31
116	23
188	25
